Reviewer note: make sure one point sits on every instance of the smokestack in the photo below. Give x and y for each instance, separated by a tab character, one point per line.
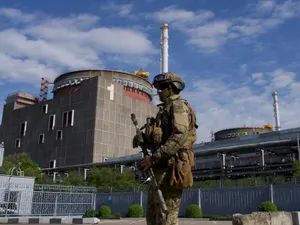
164	48
276	110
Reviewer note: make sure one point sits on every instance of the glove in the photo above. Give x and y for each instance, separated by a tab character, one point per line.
145	164
136	142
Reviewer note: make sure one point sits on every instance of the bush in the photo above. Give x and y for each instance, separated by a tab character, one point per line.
135	211
89	213
193	211
118	215
104	212
267	206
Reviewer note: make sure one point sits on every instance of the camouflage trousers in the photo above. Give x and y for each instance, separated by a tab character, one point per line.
172	198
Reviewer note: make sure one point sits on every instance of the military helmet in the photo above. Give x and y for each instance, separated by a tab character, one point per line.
168	78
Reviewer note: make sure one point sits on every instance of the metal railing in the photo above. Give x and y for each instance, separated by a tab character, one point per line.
45	200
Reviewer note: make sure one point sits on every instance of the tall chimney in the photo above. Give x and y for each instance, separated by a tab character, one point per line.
164	48
276	110
161	52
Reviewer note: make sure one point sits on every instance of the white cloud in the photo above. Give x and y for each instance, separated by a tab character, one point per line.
208	32
122	10
287	9
260	82
23	70
257	75
265	6
172	14
243	68
258	79
16	15
220	105
281	78
47	46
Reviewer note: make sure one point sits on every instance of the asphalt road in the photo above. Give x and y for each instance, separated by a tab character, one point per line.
181	222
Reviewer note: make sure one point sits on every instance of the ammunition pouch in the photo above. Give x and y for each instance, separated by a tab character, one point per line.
157	136
181	166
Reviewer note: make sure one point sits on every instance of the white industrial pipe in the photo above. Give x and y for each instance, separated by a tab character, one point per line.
164	48
161	53
276	110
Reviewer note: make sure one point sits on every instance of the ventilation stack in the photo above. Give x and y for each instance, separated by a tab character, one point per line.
164	48
276	111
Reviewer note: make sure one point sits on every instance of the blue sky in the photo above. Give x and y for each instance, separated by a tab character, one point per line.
232	54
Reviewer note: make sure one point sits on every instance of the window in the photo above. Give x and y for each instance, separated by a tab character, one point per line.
59	135
68	118
17	143
41	138
52	163
23	128
65	118
45	109
51	122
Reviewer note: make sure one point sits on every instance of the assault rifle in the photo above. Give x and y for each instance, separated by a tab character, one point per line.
143	140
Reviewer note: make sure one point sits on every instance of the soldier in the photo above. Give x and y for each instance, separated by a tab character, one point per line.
173	135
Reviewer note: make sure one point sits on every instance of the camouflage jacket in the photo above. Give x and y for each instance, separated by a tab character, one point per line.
178	124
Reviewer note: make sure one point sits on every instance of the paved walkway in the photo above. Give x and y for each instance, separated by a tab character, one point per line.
181	222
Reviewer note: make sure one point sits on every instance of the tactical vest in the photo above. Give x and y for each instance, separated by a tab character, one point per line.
166	124
184	161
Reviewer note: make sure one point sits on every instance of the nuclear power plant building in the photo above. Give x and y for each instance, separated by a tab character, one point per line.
87	121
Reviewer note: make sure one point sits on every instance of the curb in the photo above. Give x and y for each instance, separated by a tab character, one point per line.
48	220
179	218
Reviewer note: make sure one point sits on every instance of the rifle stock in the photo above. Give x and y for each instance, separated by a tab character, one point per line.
143	142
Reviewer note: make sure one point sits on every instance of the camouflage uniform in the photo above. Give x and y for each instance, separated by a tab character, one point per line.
178	129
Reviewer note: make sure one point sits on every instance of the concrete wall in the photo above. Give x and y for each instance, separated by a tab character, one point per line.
113	128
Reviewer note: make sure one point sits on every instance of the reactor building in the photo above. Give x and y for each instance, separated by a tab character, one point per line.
87	120
231	133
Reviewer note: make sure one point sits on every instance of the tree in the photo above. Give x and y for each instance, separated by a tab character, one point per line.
23	161
105	178
43	178
75	179
296	167
29	167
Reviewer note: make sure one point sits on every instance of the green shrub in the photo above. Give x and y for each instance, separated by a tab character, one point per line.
89	213
193	211
267	206
118	215
104	212
135	211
